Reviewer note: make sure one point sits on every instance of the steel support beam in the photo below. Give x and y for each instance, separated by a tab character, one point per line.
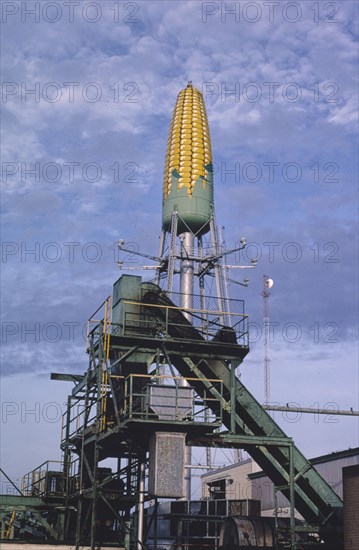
310	410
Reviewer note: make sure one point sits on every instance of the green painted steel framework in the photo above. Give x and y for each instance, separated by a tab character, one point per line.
108	417
157	330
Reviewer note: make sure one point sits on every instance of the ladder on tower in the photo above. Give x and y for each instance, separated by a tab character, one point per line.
172	252
104	362
10	524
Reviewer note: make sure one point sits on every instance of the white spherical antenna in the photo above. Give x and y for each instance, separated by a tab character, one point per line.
269	283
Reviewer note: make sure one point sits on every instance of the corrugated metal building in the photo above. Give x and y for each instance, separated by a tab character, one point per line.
245	480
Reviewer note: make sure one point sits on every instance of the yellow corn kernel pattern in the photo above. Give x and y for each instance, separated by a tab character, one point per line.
189	144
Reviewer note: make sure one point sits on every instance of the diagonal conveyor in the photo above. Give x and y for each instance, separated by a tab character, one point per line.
314	498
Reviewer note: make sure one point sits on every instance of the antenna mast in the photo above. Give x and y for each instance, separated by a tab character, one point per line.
267	284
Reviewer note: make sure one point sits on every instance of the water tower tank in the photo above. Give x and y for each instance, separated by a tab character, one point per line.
188	175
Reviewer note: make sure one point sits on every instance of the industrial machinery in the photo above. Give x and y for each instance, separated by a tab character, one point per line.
162	378
261	533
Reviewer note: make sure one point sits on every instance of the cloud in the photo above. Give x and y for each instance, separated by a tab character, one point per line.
347	114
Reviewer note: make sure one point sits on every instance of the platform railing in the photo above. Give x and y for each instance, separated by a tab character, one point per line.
99	323
209	323
46	480
161	398
152	397
73	421
120	483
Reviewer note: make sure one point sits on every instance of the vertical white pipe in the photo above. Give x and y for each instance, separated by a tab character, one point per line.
187	271
140	505
186	289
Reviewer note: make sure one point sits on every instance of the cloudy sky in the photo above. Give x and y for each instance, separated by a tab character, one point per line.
87	96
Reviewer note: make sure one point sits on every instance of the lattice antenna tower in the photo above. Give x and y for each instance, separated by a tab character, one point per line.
267	285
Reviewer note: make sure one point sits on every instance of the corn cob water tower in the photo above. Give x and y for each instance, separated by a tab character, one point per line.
188	181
